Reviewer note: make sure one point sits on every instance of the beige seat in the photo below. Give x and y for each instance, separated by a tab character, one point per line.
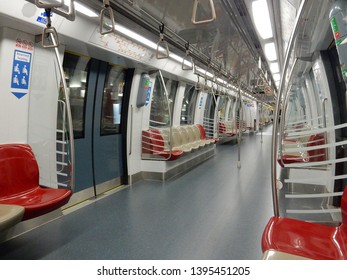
191	137
179	140
188	138
278	255
10	215
197	138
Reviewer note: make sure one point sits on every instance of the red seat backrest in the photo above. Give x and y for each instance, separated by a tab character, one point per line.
19	171
157	140
202	131
344	212
221	127
317	154
146	142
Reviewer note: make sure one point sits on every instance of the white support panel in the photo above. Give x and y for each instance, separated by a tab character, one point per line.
16	51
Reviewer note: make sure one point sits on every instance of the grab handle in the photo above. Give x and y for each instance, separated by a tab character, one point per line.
106	10
49	32
187	62
46	5
70	14
195	9
162	46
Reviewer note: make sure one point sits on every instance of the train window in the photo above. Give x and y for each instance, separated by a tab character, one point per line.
76	72
112	100
171	87
159	107
231	108
188	105
222	107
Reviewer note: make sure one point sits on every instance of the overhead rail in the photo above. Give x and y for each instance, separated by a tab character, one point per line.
195	10
162	50
174	39
107	25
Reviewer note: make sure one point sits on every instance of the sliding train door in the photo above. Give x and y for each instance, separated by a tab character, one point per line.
97	91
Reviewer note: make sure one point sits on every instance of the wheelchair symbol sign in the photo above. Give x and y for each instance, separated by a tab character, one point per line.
20	73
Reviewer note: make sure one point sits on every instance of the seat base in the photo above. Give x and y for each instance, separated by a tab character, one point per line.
10	215
278	255
39	200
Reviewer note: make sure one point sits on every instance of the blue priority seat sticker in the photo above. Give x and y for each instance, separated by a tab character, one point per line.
20	73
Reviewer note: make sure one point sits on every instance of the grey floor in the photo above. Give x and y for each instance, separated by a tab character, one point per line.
215	211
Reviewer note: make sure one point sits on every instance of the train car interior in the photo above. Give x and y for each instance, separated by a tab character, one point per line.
146	129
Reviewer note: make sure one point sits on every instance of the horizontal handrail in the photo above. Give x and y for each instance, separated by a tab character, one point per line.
313	211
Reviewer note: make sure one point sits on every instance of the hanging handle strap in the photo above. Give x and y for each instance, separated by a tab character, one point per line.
46	5
49	32
195	9
187	62
106	28
198	85
162	46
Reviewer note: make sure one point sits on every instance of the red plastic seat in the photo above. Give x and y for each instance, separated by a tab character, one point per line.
314	241
288	159
19	183
317	154
203	134
313	155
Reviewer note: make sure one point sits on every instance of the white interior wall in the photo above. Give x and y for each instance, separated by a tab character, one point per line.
13	109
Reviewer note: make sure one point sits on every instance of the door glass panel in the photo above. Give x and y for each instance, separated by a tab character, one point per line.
112	100
171	87
76	73
188	105
159	107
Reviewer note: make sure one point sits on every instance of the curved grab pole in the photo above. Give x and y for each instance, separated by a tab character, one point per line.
324	100
106	9
240	127
303	5
69	116
283	116
169	109
50	32
195	9
45	5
